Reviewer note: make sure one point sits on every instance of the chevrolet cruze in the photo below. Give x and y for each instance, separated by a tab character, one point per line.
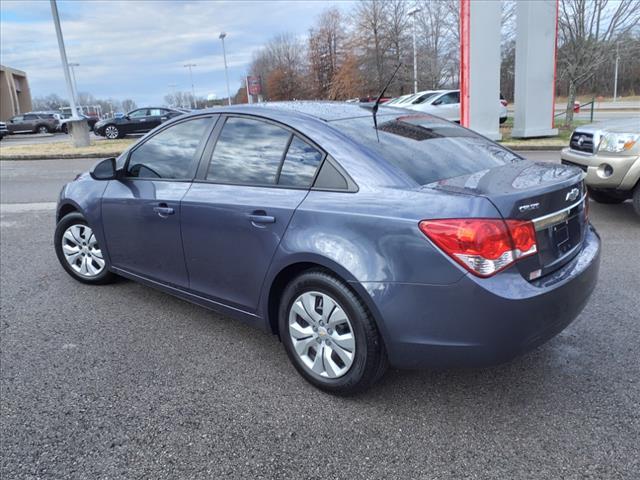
409	241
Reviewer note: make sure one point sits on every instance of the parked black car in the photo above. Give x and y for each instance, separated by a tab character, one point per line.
140	120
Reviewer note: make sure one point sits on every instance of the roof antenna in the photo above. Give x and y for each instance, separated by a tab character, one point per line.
377	104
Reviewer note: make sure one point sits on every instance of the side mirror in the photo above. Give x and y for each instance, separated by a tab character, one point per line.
104	170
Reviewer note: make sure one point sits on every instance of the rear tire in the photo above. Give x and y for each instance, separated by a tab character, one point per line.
78	251
352	354
604	197
42	129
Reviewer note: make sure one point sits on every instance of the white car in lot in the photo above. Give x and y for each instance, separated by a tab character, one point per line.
444	104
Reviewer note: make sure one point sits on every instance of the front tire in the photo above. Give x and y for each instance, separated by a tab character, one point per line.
78	251
604	197
112	132
329	335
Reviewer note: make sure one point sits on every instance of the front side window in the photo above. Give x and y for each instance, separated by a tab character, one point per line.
30	117
300	164
17	119
170	153
248	152
138	113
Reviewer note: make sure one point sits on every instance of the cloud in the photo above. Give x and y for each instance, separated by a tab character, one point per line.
135	49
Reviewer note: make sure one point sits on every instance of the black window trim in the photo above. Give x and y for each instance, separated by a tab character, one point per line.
197	155
205	158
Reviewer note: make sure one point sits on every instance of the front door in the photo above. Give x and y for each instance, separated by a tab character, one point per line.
240	205
141	212
138	121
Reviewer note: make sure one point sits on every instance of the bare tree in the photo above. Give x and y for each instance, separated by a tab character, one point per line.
325	51
588	31
281	66
370	39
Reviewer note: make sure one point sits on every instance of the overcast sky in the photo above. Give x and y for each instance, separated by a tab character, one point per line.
136	49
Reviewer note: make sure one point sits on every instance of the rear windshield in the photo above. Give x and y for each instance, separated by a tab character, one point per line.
426	148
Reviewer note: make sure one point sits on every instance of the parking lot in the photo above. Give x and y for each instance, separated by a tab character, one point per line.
122	381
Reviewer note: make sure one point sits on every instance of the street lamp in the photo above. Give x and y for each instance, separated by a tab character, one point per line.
226	72
412	14
193	90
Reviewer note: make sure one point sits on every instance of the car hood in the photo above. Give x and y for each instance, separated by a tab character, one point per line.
623	125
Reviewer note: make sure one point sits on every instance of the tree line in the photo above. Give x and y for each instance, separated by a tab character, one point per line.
351	53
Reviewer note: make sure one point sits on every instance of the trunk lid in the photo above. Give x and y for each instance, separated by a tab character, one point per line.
550	195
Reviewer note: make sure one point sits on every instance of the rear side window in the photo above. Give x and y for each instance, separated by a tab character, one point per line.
248	152
426	148
169	154
300	164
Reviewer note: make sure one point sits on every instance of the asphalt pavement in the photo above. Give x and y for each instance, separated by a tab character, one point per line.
122	381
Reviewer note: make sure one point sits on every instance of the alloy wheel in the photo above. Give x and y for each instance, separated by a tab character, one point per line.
43	129
81	250
111	132
322	335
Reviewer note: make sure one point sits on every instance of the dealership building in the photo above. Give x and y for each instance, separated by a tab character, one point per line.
15	95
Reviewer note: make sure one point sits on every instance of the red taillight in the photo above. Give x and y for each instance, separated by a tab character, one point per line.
484	246
503	102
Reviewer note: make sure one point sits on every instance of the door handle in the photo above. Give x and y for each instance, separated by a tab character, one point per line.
163	210
261	217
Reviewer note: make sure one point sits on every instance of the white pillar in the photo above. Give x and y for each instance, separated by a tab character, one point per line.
480	66
534	100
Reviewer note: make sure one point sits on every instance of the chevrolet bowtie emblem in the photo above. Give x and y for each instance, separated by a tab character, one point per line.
572	194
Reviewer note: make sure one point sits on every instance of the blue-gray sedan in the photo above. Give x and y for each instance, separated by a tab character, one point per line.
416	243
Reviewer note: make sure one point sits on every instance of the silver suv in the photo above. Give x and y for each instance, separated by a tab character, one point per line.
609	152
33	123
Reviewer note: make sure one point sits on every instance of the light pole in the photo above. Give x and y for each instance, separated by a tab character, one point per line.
73	76
412	14
226	73
193	90
79	128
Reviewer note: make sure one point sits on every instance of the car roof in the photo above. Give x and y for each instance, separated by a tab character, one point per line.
321	110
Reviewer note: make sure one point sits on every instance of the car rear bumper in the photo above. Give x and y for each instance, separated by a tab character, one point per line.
479	322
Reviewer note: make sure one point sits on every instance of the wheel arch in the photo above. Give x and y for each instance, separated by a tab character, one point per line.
286	273
66	208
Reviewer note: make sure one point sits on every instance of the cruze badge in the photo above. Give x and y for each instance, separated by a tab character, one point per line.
572	194
529	207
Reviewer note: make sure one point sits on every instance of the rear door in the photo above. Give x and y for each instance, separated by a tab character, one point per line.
155	117
30	122
251	180
141	212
